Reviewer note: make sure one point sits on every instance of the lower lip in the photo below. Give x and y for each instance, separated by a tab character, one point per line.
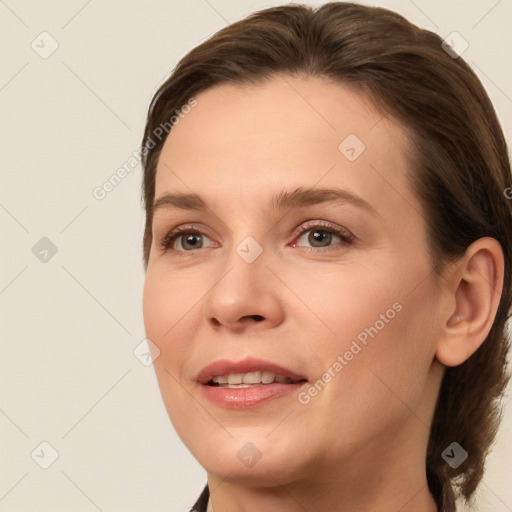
244	398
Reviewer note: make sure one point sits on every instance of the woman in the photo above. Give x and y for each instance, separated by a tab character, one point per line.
328	254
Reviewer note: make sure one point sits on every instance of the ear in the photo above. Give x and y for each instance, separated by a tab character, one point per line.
474	287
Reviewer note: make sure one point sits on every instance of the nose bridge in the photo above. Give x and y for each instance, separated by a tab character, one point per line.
246	236
250	250
242	287
242	269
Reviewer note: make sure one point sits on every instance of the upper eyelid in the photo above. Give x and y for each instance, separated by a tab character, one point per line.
327	225
306	225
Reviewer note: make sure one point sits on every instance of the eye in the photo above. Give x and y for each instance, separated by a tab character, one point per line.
187	239
183	239
321	235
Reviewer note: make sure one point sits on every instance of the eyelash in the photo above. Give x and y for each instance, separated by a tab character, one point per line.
345	236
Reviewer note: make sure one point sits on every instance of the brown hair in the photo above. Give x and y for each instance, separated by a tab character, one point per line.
459	169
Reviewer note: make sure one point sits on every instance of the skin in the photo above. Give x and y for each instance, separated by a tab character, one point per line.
359	444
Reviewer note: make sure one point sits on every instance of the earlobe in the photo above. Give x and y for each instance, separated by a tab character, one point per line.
476	284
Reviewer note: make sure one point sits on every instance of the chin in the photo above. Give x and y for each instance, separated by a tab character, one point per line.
249	456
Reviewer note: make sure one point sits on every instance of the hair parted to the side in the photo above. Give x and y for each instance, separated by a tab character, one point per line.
458	158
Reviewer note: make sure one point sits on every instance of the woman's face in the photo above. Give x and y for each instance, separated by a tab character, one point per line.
272	273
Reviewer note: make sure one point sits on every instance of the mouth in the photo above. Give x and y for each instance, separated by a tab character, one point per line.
249	379
247	383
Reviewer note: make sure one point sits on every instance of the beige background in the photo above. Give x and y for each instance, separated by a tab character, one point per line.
69	325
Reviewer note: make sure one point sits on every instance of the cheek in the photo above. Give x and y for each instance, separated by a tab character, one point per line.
168	303
170	319
167	312
384	334
400	357
341	302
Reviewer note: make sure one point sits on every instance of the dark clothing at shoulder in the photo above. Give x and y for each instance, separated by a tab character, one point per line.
202	502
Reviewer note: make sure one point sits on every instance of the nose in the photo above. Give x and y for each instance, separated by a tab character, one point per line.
244	296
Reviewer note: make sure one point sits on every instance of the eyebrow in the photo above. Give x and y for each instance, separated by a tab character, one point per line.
298	198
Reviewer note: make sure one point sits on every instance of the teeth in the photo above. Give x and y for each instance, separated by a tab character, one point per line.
235	378
267	377
250	378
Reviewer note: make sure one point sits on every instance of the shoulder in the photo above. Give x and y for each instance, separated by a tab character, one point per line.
202	502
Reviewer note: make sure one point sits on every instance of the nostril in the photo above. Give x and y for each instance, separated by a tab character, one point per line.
249	318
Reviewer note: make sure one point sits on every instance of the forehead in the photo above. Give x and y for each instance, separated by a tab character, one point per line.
287	131
291	107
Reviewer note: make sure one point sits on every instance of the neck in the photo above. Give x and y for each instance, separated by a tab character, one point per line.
378	477
301	497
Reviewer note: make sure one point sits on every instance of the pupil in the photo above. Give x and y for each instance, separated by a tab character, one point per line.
319	236
190	240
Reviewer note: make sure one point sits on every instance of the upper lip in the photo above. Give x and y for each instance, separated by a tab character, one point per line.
249	364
